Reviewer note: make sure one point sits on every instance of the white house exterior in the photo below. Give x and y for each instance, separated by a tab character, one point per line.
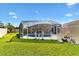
3	31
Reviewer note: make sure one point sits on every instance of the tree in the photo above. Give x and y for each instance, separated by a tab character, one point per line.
1	24
10	28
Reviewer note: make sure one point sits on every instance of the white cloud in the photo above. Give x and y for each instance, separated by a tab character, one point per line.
36	11
76	13
68	14
49	18
12	13
70	4
15	17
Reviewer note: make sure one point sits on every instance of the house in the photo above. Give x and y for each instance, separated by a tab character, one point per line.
16	29
3	31
71	29
41	29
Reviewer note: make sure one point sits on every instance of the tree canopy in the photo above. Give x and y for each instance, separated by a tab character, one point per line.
10	28
1	24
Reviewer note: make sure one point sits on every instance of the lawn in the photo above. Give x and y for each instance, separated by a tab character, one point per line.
30	47
7	37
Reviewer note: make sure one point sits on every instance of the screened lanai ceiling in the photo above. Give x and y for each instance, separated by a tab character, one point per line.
35	22
40	27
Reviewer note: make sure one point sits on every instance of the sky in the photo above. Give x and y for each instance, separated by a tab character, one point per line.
62	13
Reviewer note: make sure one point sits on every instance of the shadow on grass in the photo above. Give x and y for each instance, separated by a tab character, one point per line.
15	39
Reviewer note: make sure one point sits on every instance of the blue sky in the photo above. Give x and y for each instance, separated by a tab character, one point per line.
58	12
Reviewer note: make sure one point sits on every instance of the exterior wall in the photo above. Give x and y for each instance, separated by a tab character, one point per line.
71	31
3	31
17	30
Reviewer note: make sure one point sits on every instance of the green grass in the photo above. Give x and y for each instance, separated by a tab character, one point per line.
38	49
30	47
7	37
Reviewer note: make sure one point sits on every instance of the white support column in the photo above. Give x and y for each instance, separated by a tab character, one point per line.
38	35
35	35
51	34
27	30
22	33
42	34
56	30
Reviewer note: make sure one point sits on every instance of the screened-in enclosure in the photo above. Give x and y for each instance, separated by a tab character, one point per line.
39	29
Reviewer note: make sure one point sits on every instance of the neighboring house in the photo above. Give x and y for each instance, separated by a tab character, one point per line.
71	29
17	29
39	29
3	31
